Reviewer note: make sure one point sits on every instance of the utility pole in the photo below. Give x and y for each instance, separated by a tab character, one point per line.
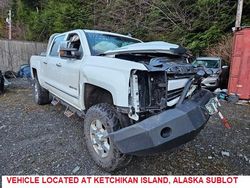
8	20
239	14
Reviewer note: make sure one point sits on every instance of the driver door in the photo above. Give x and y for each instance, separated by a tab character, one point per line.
69	74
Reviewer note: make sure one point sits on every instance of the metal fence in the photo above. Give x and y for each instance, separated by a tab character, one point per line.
16	53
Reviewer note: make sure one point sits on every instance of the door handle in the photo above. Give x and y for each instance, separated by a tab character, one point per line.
58	65
45	63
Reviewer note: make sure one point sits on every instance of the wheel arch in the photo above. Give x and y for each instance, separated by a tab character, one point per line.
34	73
94	95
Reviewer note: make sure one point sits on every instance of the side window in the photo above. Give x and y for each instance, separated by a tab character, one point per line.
55	46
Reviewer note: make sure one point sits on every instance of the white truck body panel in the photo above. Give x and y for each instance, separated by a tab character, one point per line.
66	77
115	79
67	81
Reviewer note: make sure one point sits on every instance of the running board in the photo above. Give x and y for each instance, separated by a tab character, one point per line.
68	112
55	101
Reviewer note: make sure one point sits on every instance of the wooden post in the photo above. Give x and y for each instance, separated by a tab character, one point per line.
9	21
239	14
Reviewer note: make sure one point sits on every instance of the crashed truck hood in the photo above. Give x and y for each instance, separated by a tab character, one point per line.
149	47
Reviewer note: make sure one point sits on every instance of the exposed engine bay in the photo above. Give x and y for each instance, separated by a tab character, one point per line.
162	85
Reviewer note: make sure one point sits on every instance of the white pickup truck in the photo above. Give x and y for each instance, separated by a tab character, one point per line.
136	97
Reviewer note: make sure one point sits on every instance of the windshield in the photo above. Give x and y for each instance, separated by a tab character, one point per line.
206	63
99	42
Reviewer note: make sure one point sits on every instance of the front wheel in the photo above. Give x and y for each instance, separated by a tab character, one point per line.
101	120
41	95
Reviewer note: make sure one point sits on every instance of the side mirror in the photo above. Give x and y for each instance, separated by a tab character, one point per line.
224	67
67	52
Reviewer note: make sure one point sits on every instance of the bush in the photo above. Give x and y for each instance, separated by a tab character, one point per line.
222	49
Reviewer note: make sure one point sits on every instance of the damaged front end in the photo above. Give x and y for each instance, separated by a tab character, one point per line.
167	129
160	87
167	104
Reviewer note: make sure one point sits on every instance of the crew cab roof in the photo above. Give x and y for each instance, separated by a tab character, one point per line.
149	47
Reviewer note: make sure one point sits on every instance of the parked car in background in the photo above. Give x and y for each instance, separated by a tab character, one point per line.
218	70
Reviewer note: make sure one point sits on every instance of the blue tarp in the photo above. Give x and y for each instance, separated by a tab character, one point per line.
24	71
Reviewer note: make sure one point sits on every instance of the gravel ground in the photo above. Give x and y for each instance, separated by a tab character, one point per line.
41	140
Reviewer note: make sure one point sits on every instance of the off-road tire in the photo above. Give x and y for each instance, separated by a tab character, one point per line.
110	120
41	95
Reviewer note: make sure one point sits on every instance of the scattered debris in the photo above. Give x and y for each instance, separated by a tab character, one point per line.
76	169
218	90
20	172
240	155
2	127
244	157
24	71
233	98
222	95
224	120
225	153
243	102
210	157
6	82
10	74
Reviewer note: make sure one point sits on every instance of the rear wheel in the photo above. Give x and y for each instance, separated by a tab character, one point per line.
101	120
41	95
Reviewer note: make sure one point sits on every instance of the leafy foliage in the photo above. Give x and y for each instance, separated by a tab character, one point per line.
196	24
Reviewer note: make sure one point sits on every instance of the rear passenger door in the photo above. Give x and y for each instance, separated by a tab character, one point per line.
52	65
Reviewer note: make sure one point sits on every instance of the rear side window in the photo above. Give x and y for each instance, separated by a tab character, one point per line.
55	46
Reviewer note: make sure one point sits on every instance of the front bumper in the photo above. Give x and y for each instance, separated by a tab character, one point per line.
166	130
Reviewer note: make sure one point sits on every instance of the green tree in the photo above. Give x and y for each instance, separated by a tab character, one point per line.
196	24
